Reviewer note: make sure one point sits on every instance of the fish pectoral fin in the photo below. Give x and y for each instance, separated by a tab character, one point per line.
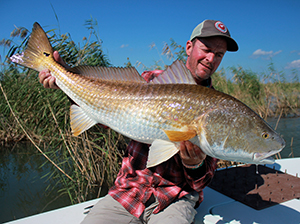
80	122
178	136
160	151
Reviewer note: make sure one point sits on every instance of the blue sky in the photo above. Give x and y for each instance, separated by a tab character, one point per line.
263	29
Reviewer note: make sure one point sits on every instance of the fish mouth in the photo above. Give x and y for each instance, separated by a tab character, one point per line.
268	160
265	158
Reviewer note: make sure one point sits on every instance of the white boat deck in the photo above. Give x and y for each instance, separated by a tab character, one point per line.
216	207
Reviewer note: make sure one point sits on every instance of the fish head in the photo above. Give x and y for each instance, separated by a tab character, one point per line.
268	143
240	136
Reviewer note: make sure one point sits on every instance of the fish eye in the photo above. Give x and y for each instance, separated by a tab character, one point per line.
265	135
46	54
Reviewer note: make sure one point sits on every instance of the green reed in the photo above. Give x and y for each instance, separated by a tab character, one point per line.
87	165
29	111
267	97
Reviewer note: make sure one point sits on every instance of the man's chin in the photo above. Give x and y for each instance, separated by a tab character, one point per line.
202	75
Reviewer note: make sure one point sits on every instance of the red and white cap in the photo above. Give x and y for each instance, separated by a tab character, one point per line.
210	28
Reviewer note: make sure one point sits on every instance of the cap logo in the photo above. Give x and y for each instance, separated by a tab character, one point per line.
221	27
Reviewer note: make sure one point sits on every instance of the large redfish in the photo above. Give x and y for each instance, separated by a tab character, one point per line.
164	112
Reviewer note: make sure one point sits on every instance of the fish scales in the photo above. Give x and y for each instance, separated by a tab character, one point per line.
169	110
122	100
117	101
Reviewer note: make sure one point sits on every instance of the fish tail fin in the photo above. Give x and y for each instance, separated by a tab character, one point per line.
38	51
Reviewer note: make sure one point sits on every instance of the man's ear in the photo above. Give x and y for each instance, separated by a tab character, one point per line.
188	47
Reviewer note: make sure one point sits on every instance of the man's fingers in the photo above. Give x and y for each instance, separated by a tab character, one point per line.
191	154
190	149
57	58
47	80
51	83
43	75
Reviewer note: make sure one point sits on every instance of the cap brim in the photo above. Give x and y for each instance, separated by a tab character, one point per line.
231	44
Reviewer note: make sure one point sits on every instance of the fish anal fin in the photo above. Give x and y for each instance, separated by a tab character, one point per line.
178	136
160	151
80	121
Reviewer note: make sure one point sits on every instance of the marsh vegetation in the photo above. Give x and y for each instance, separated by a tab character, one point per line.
87	164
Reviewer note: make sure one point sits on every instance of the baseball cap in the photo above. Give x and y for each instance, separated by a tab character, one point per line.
210	28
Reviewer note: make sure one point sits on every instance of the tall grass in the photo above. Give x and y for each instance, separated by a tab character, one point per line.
88	164
268	99
29	111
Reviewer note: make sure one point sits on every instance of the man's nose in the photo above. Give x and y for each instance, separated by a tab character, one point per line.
210	57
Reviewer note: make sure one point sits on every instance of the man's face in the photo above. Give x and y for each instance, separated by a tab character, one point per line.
204	56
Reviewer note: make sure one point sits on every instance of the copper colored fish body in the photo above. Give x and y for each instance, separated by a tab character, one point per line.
164	112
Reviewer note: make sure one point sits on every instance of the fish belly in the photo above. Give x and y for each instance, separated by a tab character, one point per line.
132	125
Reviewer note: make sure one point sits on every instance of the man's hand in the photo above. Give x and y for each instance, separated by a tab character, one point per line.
149	75
45	76
191	154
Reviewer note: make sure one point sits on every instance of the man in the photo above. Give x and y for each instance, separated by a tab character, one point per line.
169	192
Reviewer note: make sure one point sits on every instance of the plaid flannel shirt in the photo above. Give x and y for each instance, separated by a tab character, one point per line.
168	181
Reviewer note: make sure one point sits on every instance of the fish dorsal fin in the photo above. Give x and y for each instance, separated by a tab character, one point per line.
176	73
109	73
